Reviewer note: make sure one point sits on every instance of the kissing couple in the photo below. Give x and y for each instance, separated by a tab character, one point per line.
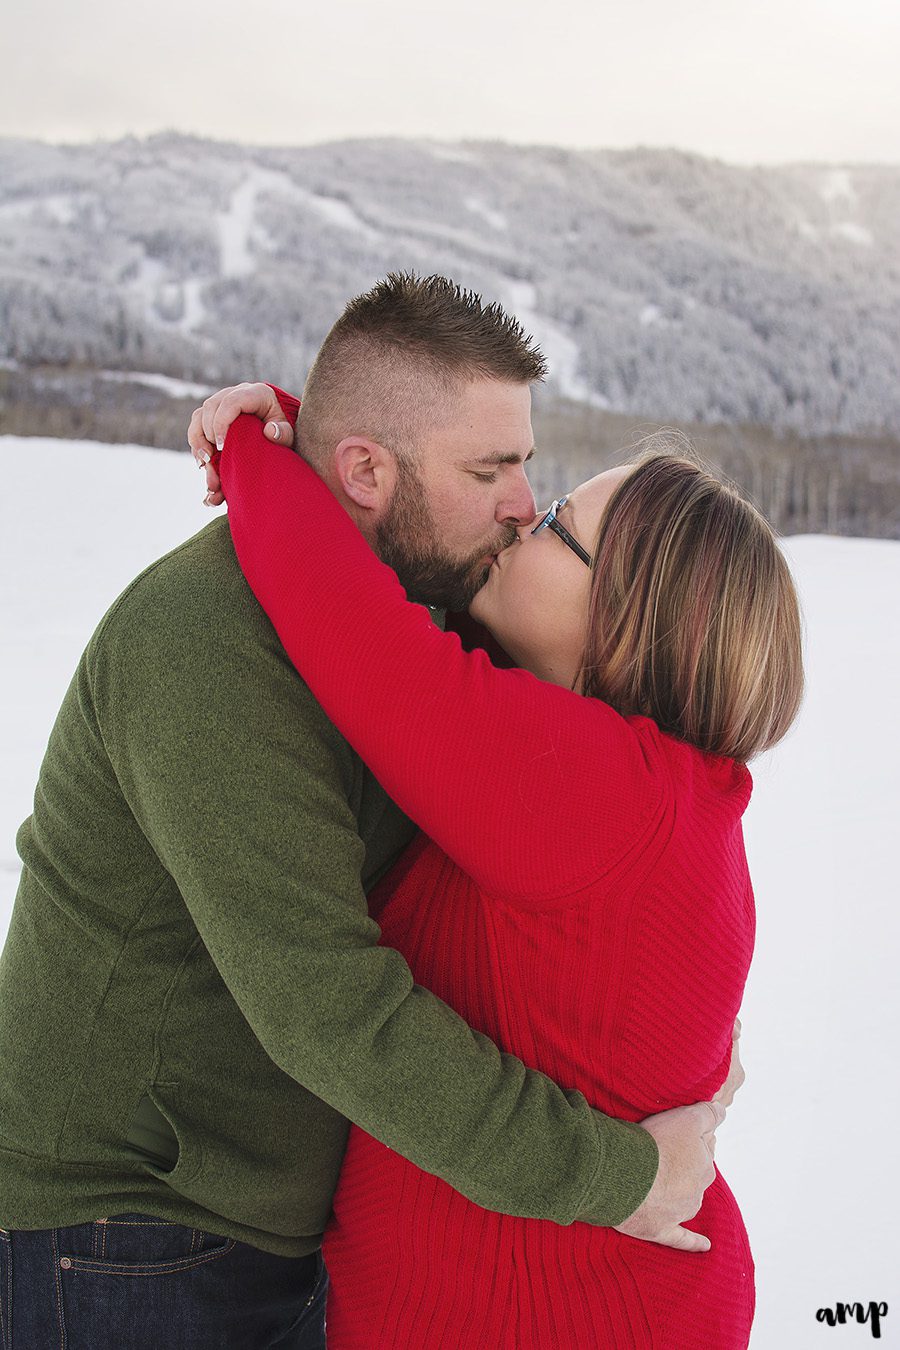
385	882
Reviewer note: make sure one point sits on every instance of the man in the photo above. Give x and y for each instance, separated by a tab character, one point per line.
192	1002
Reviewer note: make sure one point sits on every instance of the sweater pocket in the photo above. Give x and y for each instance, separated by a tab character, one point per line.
176	1155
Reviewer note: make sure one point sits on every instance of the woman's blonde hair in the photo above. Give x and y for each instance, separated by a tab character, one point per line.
693	620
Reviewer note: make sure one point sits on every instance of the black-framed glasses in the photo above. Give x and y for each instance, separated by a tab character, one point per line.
551	522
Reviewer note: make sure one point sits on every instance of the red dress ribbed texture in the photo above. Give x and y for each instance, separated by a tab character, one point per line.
580	894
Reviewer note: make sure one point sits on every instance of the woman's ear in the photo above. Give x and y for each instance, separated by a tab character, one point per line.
366	472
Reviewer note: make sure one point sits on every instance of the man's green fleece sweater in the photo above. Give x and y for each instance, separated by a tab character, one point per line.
191	930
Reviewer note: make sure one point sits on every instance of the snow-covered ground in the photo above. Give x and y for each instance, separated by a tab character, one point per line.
810	1146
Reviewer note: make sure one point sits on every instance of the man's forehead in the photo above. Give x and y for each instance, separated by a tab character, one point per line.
482	422
488	399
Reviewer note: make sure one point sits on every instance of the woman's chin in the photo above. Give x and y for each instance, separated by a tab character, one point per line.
483	606
480	607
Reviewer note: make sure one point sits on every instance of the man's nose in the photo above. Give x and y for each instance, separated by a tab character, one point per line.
517	507
524	528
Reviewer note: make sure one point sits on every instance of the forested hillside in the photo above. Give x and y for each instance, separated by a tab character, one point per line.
661	285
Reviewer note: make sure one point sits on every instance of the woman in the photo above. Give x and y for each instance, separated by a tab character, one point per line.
580	892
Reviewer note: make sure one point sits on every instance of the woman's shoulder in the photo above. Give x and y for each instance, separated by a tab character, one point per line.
694	772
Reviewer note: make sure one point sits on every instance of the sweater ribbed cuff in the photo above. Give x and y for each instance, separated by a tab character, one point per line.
629	1161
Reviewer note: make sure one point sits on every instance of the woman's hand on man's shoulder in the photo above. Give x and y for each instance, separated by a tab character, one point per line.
210	422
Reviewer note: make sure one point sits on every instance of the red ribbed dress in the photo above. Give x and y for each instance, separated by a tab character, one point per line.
579	893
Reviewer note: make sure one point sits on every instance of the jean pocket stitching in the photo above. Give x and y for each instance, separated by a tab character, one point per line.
172	1267
6	1317
142	1223
60	1316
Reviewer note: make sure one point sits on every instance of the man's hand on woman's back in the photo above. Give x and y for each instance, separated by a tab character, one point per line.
686	1139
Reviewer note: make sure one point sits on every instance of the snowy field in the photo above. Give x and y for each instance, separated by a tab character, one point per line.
810	1146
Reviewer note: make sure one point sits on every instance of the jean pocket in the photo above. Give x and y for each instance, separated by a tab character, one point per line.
137	1244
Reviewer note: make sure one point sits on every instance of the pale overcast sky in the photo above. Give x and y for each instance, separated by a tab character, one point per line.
745	80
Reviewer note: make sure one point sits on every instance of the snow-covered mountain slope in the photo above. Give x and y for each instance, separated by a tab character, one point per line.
660	283
809	1147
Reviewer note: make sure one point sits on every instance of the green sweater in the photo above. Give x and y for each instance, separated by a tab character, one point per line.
191	927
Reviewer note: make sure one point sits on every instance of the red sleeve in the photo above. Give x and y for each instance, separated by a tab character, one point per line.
533	790
290	406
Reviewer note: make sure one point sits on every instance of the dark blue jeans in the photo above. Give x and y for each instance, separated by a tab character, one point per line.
134	1282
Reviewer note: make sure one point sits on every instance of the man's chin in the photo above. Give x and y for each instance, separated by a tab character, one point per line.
455	599
441	583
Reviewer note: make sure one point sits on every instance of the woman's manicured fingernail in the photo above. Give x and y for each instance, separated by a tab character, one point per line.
203	458
207	500
274	430
220	443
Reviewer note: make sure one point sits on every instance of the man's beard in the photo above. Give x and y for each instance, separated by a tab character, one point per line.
408	541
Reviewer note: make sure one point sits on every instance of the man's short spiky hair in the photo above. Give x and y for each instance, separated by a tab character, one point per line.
397	355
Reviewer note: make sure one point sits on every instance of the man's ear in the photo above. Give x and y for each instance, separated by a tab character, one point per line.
366	472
